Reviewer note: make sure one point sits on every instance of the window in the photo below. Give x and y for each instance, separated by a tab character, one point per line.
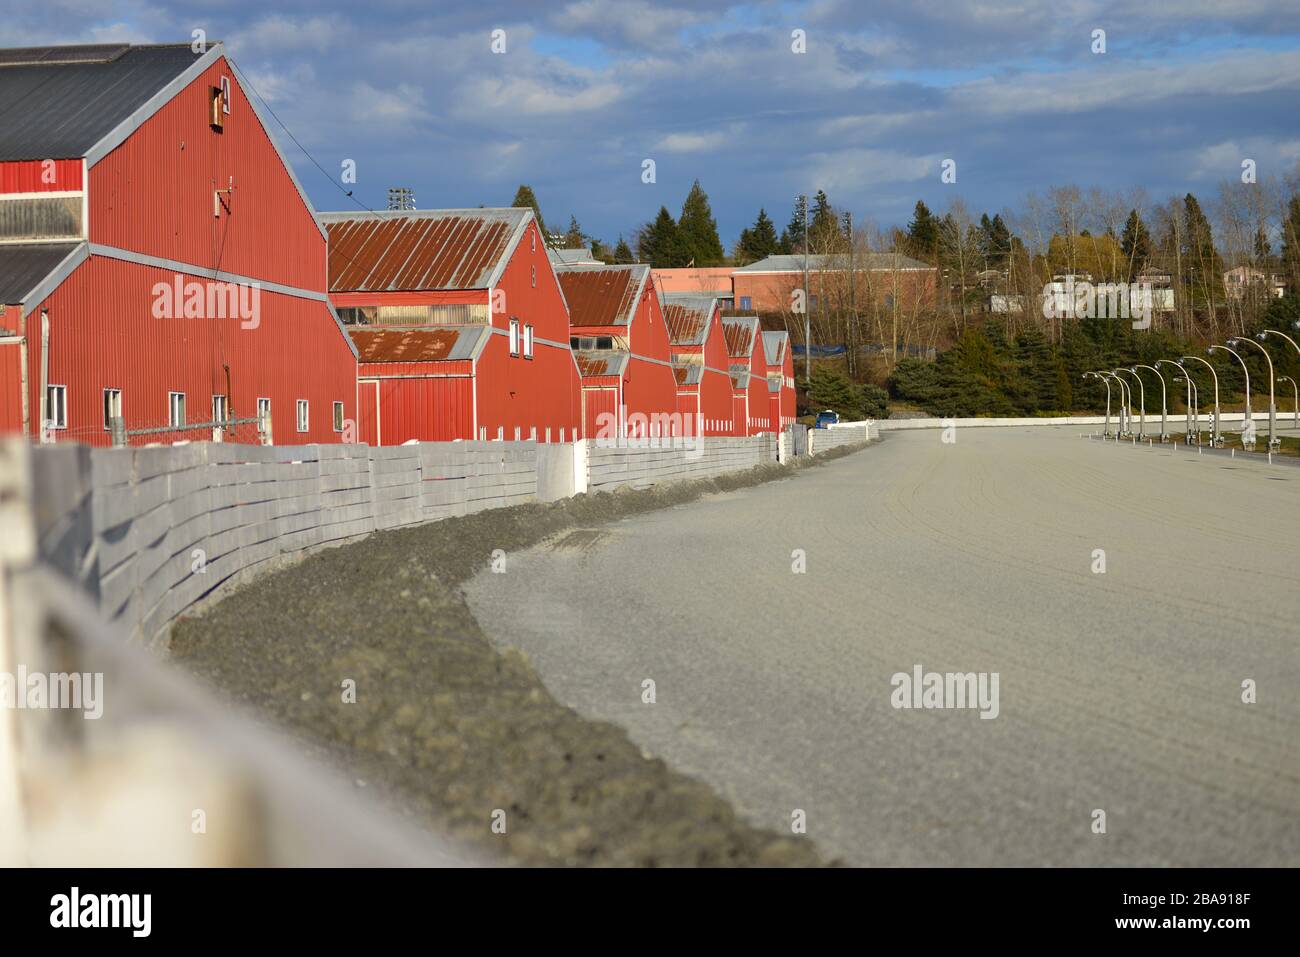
746	303
225	95
533	233
176	409
534	277
338	416
575	342
219	413
528	340
604	342
40	218
112	407
56	406
812	301
216	115
514	337
264	415
303	417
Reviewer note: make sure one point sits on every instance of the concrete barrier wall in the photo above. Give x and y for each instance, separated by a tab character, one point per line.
641	467
820	440
150	532
894	425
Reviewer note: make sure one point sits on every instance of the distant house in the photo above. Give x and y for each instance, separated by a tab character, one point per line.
1238	282
572	257
713	281
751	401
700	362
618	334
780	377
462	329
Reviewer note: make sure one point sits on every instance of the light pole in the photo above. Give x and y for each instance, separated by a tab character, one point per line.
1193	410
1125	401
1164	400
1216	439
1106	382
1248	423
1179	366
1142	400
1273	441
1296	390
1097	375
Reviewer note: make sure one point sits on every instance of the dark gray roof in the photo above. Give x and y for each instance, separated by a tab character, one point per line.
58	102
23	266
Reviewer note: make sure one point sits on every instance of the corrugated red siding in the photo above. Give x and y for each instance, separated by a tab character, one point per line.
103	335
598	402
425	409
154	193
11	387
29	176
368	411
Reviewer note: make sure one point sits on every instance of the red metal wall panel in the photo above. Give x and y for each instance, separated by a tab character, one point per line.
649	387
368	411
154	193
598	401
425	409
33	176
543	392
11	386
103	335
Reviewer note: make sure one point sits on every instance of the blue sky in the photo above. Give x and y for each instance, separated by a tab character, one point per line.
587	90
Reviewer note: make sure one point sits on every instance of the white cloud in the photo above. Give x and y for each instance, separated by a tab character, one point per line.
691	142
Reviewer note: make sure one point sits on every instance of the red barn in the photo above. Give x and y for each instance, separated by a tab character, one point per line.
702	366
620	339
780	377
751	402
159	261
460	324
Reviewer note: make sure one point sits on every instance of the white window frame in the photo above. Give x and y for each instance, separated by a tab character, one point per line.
303	416
338	416
514	337
56	411
528	340
225	95
534	277
107	410
172	408
263	413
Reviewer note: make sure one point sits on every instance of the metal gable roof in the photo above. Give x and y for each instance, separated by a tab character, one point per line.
832	261
739	333
417	345
439	249
688	318
598	362
774	345
23	266
59	102
602	295
688	373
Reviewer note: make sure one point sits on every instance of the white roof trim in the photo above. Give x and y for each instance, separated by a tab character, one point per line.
78	255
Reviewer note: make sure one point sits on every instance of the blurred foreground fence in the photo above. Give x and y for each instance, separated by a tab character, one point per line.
107	756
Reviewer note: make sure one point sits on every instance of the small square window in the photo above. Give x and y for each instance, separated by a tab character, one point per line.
746	303
338	416
304	420
56	406
112	407
176	409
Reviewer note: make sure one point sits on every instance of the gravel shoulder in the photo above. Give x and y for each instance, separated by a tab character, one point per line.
446	730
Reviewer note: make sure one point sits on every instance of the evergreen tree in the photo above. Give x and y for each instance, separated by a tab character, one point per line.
1136	244
660	243
923	234
524	198
698	229
1263	248
994	240
792	237
824	227
573	239
622	252
759	242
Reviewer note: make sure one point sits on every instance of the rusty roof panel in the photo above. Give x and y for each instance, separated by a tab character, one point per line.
688	318
739	332
602	295
416	345
601	362
430	249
